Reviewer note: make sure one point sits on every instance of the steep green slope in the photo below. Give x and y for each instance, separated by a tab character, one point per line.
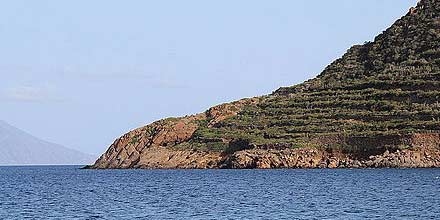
380	97
384	88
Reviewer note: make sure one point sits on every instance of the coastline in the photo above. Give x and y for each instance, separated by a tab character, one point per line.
305	158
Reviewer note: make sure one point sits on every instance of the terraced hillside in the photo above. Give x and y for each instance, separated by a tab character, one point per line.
379	98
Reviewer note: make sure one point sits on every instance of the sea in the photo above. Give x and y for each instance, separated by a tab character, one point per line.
68	192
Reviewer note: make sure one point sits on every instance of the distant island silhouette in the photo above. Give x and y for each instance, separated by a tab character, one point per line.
20	148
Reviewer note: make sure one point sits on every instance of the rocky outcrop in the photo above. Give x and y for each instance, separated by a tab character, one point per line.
376	106
128	150
163	158
152	146
314	158
221	112
425	153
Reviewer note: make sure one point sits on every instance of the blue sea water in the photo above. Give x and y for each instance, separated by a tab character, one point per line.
67	192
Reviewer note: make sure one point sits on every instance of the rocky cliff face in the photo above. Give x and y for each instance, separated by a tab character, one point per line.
156	145
423	153
377	106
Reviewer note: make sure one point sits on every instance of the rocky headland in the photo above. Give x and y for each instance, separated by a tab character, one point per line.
377	106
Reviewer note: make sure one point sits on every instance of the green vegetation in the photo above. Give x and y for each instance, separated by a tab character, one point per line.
381	89
134	140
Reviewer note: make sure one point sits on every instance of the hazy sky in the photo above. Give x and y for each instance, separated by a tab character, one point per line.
81	73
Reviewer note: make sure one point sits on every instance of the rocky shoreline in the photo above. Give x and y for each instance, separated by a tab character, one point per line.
163	158
156	146
311	158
